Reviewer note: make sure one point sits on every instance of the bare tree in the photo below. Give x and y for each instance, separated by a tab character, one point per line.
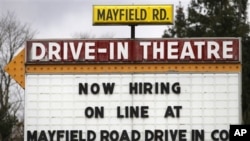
13	35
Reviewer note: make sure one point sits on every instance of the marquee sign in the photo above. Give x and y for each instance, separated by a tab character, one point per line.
132	14
135	107
130	90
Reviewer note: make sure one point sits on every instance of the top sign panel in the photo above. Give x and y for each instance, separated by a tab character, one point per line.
132	14
187	50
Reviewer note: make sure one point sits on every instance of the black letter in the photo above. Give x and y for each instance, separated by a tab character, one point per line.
169	112
165	88
133	89
80	136
82	88
95	88
148	88
135	135
59	134
158	135
124	136
163	14
89	112
144	111
101	14
42	136
143	14
114	135
32	136
104	135
149	135
177	110
176	88
108	88
73	135
99	112
213	136
182	135
89	137
225	133
51	134
155	14
119	112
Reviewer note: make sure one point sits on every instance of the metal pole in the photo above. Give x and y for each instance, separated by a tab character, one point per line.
132	32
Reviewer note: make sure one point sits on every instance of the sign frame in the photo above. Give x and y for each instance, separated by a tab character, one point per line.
97	68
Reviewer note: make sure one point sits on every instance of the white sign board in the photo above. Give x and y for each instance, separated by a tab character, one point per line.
131	107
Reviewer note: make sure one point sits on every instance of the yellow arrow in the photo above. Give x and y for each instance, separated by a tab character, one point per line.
16	68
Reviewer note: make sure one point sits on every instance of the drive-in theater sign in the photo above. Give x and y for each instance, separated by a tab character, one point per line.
136	90
130	89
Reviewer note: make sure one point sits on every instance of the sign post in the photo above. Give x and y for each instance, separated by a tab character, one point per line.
139	90
132	31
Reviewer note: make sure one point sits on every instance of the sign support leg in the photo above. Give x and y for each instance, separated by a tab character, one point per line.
132	32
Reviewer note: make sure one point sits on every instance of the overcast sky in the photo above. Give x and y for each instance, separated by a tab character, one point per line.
64	18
